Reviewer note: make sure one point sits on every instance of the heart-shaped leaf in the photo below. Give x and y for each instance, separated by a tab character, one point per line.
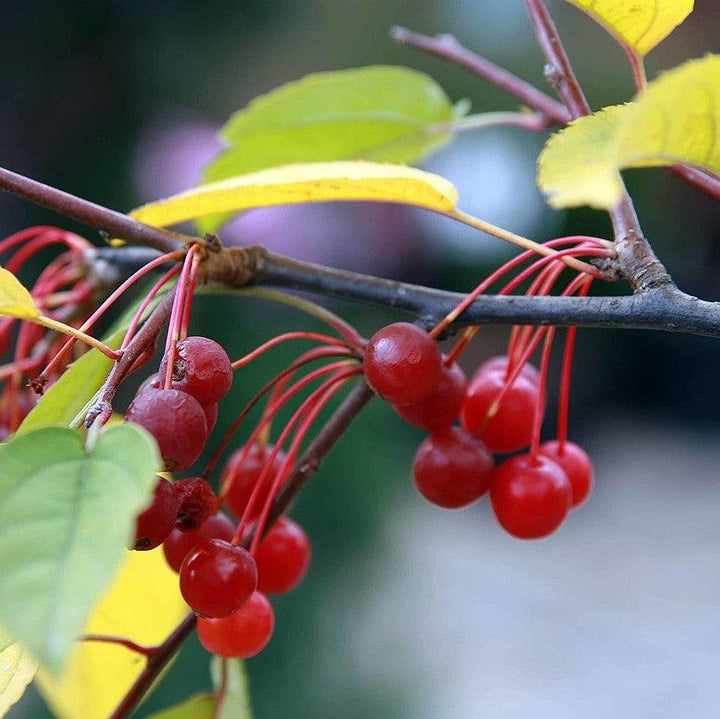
67	515
675	121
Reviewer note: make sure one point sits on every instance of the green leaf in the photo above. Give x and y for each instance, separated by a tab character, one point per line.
379	113
201	706
66	518
236	704
675	121
16	672
63	400
311	182
640	24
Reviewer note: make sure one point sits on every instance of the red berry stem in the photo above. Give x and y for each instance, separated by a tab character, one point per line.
70	239
122	641
132	329
503	270
307	412
190	293
277	406
173	334
542	393
95	316
566	374
312	336
343	328
310	356
40	242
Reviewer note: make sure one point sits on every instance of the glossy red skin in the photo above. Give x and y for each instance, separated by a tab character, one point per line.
576	464
501	362
452	469
241	635
511	427
202	369
177	422
238	481
530	498
217	578
402	363
442	406
157	521
282	558
179	544
211	415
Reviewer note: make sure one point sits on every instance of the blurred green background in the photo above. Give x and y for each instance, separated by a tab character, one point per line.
408	611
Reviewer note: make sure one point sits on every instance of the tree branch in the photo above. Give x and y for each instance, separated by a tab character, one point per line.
446	47
112	223
637	261
663	308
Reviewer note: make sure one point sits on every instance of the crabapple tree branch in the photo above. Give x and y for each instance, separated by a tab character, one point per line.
639	265
663	308
113	224
446	47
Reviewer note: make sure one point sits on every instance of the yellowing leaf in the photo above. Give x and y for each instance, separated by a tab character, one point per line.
15	300
144	605
310	182
16	672
641	24
675	121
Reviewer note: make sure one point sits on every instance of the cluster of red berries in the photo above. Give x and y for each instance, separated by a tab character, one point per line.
531	493
221	581
182	415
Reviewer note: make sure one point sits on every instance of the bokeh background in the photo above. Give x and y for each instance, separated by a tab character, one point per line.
409	611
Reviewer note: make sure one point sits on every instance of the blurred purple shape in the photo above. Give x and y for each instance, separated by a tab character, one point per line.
367	237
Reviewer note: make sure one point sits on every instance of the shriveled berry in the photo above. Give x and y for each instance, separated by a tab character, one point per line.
530	496
201	368
179	544
576	464
442	406
217	578
177	422
197	502
241	475
282	557
505	427
156	522
241	635
402	363
452	469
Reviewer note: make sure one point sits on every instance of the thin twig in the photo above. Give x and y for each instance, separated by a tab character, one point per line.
446	47
637	261
113	224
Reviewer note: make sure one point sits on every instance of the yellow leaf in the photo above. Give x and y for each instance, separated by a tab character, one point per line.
641	24
144	605
310	182
15	300
675	121
16	672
